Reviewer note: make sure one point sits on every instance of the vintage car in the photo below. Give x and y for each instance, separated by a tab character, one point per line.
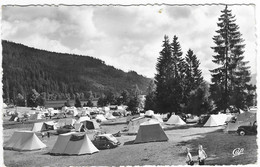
246	130
105	141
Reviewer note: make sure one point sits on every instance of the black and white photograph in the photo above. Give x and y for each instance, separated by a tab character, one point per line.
126	84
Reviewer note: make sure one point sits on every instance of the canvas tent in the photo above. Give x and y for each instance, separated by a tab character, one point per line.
24	141
134	124
73	143
100	117
245	118
150	131
175	120
109	116
67	121
72	111
88	124
149	113
44	126
216	120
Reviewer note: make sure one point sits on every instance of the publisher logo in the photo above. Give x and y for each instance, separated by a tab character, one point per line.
238	151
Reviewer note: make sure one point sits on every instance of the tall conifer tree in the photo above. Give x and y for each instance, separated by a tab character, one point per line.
231	76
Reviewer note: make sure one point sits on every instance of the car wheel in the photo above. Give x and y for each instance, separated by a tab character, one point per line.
242	133
108	146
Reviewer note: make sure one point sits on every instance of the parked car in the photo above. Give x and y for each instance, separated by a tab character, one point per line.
106	141
246	130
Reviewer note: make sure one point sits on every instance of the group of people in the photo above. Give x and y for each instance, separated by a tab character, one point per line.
201	156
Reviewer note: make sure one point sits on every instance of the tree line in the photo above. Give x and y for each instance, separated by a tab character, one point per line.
179	87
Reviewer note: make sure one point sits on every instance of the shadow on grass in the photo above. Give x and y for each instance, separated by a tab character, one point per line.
219	147
187	126
129	142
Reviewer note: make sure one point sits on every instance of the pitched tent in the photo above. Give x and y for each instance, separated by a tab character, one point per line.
134	124
72	111
73	143
216	120
149	113
67	121
44	126
24	141
109	116
84	118
100	117
245	118
89	124
150	131
175	120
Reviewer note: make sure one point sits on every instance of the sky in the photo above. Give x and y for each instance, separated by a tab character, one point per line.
126	37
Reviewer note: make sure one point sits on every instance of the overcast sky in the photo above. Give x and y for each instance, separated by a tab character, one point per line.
129	38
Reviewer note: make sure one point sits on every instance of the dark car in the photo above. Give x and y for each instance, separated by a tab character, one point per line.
105	141
246	130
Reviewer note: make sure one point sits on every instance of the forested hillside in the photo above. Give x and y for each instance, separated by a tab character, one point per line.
28	68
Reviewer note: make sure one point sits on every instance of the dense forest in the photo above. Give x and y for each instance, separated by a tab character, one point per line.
60	75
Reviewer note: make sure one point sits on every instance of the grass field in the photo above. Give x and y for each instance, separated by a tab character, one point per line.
218	146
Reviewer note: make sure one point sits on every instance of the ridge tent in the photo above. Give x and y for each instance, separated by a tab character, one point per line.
84	118
158	117
66	121
150	131
135	123
175	120
100	117
89	124
43	126
245	118
149	113
73	143
24	141
109	116
72	111
216	120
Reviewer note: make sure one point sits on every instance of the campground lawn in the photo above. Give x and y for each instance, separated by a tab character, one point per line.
218	146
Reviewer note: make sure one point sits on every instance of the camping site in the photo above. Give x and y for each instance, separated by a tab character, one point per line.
124	83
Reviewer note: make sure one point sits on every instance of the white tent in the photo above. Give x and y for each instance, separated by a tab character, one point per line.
149	113
44	126
134	124
150	131
72	111
67	121
100	117
109	116
24	141
216	120
175	120
73	144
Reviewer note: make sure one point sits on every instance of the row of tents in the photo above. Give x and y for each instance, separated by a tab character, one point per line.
73	143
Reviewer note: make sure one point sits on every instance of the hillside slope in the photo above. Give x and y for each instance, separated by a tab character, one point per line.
26	68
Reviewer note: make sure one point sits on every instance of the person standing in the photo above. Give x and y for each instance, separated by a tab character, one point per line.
189	160
202	155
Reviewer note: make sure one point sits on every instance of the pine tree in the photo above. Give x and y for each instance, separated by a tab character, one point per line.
229	80
193	75
169	68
